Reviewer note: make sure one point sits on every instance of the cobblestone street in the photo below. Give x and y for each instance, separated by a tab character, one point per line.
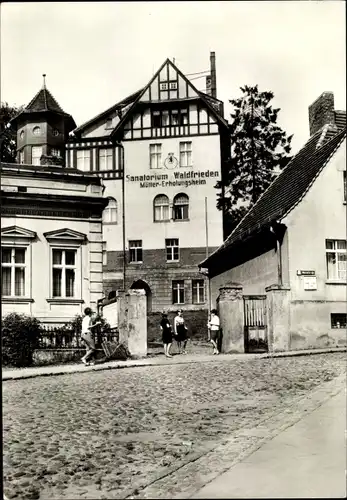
119	434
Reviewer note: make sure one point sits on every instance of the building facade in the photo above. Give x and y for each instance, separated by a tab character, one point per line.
295	237
160	153
51	222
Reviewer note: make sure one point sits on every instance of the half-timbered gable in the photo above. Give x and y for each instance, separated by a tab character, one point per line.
167	143
168	106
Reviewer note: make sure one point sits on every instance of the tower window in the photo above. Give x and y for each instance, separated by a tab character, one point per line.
36	153
36	130
21	135
55	132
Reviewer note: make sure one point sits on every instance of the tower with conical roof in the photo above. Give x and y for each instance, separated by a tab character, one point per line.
42	130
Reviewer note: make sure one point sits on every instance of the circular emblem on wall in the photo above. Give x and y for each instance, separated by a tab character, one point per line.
170	161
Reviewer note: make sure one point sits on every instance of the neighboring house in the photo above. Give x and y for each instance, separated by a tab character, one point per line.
51	223
295	237
170	140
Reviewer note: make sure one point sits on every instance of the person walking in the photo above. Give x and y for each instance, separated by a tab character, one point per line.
213	327
88	336
180	330
166	334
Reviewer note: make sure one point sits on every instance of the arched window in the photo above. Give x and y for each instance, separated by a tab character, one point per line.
181	207
110	214
161	208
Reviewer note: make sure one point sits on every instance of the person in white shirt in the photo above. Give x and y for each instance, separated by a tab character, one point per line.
213	327
88	336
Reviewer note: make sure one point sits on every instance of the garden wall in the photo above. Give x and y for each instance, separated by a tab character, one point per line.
196	322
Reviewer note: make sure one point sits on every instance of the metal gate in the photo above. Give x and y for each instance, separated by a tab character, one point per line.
255	329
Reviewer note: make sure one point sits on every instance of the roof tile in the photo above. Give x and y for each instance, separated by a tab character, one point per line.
285	191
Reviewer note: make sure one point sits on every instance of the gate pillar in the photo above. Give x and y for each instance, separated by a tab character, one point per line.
132	321
277	303
230	304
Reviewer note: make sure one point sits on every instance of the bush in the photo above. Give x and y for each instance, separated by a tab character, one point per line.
20	336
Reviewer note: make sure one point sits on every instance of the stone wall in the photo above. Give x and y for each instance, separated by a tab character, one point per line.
196	322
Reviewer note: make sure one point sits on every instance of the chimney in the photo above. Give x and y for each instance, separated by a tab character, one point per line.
321	112
213	74
208	84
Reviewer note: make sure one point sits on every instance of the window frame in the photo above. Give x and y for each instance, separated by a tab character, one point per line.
171	245
12	266
161	206
195	286
38	158
21	157
157	155
84	158
344	321
336	252
77	268
184	117
136	249
109	209
56	150
186	154
181	206
176	286
106	157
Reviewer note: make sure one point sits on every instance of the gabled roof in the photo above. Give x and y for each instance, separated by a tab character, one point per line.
127	105
192	93
116	107
284	193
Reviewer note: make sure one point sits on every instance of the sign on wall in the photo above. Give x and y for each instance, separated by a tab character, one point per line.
185	179
310	283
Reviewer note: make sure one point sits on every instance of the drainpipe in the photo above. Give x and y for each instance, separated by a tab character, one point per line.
120	145
208	277
279	256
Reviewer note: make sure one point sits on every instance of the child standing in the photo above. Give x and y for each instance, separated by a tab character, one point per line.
214	326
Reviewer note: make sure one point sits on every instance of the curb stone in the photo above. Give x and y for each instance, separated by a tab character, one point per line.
248	440
64	370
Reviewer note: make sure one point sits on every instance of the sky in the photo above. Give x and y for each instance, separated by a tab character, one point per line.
97	53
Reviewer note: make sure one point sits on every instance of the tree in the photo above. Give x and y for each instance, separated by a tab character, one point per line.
8	135
259	151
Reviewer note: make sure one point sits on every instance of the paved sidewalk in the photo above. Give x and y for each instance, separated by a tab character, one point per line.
39	371
307	460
